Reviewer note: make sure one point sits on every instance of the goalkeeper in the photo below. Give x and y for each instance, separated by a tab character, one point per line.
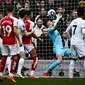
58	48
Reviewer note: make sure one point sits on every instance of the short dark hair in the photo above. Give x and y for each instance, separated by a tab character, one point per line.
22	13
10	8
80	11
28	12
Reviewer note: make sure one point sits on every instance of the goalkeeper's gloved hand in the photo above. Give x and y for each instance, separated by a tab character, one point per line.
59	15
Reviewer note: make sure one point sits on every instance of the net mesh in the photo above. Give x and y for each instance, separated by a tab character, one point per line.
40	9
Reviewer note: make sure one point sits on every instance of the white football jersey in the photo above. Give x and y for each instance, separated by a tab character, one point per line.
21	28
76	27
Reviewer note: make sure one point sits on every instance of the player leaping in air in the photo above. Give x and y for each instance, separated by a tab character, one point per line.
58	48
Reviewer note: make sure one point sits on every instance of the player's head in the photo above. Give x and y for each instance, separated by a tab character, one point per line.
10	9
80	11
28	13
50	23
22	13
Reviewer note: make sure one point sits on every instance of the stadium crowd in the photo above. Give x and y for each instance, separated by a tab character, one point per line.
40	9
37	22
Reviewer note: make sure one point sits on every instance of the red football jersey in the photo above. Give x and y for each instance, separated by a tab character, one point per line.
27	40
7	25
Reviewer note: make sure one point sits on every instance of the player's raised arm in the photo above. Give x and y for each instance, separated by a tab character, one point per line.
56	22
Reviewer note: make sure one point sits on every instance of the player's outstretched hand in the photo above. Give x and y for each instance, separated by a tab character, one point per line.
59	15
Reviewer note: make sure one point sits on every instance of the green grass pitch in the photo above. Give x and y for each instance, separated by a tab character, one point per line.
42	81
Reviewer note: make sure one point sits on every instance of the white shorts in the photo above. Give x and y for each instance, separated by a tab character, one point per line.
9	50
0	51
21	48
77	51
28	47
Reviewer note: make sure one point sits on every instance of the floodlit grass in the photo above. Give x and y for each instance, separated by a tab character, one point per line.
42	81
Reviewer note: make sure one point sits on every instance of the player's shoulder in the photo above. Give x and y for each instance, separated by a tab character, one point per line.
77	20
31	22
20	21
3	19
26	22
14	18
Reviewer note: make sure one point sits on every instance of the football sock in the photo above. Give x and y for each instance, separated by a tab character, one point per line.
32	72
1	74
20	65
8	63
71	68
53	65
34	64
84	65
2	64
13	65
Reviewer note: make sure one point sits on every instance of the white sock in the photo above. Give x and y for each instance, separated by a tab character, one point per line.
20	65
84	64
11	74
32	72
1	74
8	63
71	67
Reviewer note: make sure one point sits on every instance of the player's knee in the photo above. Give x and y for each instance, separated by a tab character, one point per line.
15	57
22	55
59	57
4	57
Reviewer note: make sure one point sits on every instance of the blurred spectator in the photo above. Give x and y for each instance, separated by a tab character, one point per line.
71	16
34	6
18	5
1	16
70	5
51	4
62	23
82	3
38	30
27	6
42	4
42	15
22	2
8	1
44	49
1	2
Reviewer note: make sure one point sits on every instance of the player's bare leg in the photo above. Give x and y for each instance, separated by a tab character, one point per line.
34	64
53	65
